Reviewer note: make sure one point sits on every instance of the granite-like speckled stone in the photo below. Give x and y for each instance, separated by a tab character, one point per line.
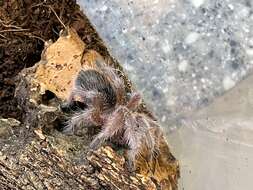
179	53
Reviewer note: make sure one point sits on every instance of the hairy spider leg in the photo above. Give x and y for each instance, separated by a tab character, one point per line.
85	118
88	117
150	140
134	101
113	125
134	138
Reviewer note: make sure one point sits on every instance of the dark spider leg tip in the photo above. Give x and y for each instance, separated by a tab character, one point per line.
96	143
130	166
65	107
68	130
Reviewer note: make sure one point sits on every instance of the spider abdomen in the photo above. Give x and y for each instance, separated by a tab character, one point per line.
92	80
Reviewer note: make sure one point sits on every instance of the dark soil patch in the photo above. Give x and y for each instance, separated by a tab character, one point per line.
24	27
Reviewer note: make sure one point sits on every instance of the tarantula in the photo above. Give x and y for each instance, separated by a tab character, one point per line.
108	106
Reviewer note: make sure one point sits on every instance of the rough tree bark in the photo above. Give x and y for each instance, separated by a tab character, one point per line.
34	163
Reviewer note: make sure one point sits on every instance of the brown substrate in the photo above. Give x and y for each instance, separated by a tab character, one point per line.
24	27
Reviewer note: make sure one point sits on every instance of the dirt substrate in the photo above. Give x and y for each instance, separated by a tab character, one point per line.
24	27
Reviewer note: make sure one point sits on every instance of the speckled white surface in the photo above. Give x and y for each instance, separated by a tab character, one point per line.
215	145
183	55
154	40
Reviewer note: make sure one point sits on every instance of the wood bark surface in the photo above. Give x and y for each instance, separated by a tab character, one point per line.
29	162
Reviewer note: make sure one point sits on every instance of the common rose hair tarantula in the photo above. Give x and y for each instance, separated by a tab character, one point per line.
109	106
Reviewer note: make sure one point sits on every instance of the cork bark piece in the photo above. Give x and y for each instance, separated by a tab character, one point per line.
61	61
